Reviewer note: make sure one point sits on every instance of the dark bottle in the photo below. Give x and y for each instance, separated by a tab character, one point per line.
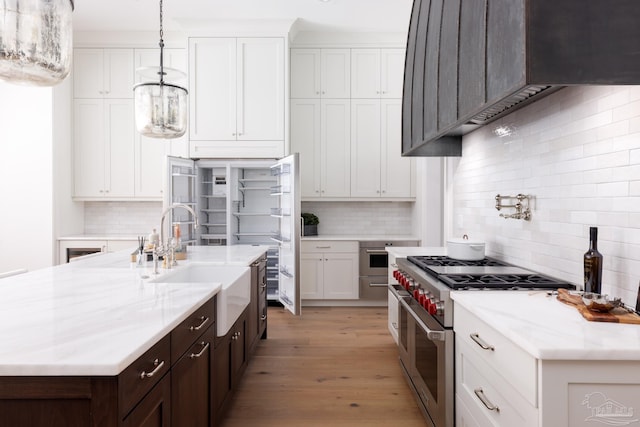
593	264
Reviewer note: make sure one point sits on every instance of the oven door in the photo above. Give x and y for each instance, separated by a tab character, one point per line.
374	261
429	362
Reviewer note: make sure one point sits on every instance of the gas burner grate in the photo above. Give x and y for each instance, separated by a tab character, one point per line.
502	281
425	262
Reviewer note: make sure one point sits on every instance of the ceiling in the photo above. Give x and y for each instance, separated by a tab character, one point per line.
312	15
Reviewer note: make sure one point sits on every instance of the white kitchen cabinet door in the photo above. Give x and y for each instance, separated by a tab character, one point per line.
391	73
365	73
103	149
212	89
320	73
121	146
260	89
311	279
103	73
340	276
150	160
335	74
397	173
305	140
305	73
377	73
335	148
89	148
365	148
377	168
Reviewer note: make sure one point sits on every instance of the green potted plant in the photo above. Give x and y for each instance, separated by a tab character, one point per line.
310	224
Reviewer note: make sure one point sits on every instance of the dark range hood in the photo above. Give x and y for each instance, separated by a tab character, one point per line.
469	62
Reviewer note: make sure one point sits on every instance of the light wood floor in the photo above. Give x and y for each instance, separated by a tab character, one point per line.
334	366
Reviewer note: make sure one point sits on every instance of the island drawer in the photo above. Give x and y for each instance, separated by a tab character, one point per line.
487	396
139	377
187	332
509	360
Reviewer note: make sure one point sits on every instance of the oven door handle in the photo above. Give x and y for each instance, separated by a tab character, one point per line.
432	335
376	251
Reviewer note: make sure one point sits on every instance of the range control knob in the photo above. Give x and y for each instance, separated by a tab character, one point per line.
439	308
432	306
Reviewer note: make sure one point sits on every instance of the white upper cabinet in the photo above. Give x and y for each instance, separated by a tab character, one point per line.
377	73
212	71
236	94
320	73
103	149
103	73
320	132
377	168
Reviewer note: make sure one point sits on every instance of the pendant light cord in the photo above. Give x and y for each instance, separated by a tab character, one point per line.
161	48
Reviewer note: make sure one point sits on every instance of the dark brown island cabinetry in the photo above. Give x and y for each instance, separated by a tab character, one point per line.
170	381
257	315
470	62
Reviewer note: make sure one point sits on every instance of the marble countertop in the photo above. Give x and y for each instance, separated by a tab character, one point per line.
96	316
404	251
133	237
361	238
549	329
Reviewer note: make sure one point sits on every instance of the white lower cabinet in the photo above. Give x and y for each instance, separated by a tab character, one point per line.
329	270
498	384
495	379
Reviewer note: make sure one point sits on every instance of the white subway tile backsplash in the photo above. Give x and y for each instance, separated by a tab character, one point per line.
362	218
577	153
117	218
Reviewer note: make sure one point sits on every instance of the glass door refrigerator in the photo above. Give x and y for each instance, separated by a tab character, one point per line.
242	202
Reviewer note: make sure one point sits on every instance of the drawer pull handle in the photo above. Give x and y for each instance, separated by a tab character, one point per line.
486	402
323	247
206	346
476	337
197	328
158	365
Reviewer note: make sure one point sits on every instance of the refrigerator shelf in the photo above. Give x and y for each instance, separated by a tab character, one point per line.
213	210
214	196
254	188
243	180
183	222
212	224
280	239
213	236
286	273
249	234
280	169
280	212
251	214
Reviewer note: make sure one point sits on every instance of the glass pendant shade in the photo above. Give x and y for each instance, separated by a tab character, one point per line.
36	41
160	110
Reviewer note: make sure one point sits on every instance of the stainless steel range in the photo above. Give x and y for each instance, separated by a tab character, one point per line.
425	318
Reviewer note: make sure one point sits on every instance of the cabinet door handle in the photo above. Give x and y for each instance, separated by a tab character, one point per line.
204	348
263	317
197	328
158	365
486	402
323	247
476	338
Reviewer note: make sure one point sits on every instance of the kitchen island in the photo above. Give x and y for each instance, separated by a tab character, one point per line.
87	343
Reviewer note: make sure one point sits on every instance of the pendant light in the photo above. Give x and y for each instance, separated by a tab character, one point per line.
36	41
160	108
